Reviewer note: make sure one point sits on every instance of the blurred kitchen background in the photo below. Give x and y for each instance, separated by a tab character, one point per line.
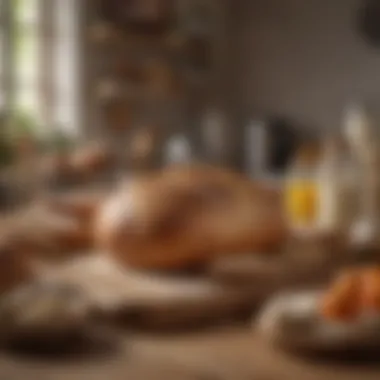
93	92
170	80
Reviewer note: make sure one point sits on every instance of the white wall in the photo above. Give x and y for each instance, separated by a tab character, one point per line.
303	59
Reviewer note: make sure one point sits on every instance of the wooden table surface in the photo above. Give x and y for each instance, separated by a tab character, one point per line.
233	353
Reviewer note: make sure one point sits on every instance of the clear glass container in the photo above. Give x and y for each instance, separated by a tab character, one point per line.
335	176
301	191
363	140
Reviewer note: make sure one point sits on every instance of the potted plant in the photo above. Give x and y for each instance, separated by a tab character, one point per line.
22	129
6	155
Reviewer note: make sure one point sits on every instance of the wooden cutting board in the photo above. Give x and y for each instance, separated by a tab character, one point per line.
268	274
148	299
302	262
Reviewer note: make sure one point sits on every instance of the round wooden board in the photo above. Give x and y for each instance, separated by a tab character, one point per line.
147	299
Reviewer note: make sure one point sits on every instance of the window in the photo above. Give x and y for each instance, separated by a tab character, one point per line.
66	66
39	42
26	21
5	58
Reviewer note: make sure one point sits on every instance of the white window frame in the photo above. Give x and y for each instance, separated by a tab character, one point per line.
54	88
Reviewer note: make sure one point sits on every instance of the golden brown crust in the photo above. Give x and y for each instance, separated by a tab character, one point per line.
79	210
88	160
82	164
186	215
81	206
15	266
56	229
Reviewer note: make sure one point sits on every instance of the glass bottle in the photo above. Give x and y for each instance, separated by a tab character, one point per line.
358	132
335	189
257	148
301	197
364	147
178	150
213	136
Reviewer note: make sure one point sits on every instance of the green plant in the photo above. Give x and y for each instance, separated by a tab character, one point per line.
6	151
57	141
22	125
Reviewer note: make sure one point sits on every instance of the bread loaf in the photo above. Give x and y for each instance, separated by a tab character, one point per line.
90	159
78	209
188	215
15	266
45	233
79	205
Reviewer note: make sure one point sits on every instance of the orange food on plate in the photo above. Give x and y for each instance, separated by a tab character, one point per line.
371	288
343	300
352	294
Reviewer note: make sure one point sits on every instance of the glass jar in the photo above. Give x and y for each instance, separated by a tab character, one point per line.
335	188
301	190
360	131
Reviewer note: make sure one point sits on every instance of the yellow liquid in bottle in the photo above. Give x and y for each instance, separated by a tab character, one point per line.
301	202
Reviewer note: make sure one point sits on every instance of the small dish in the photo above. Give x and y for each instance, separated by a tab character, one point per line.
43	313
293	321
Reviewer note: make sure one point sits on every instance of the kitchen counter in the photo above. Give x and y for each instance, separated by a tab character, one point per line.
233	353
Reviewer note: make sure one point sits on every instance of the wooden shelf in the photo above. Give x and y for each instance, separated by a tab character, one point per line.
177	82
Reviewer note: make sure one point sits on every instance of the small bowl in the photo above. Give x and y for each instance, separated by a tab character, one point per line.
43	313
293	321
